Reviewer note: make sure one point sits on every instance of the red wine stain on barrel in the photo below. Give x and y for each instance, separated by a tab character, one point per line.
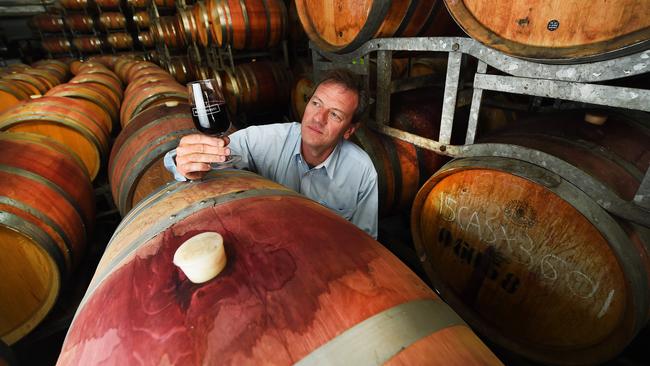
289	286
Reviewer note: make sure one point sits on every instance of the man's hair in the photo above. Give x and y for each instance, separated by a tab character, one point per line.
351	82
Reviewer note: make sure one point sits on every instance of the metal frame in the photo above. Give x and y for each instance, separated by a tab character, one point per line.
568	82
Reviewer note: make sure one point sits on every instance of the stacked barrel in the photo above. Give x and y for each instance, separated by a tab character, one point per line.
18	82
93	27
52	145
139	21
52	27
244	26
154	117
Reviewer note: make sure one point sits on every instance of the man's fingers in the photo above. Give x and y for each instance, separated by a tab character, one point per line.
183	150
191	169
204	139
195	153
199	158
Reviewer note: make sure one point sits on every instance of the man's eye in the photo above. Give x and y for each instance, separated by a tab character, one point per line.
314	103
335	116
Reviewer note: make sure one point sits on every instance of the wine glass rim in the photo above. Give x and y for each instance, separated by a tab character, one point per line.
198	81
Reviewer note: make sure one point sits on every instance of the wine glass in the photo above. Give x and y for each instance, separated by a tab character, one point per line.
210	114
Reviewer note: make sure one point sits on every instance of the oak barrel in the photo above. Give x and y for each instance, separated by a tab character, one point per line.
374	145
135	168
188	25
141	19
571	31
145	39
10	95
66	120
149	78
110	84
180	68
149	95
112	20
37	84
138	69
301	92
87	92
298	276
120	41
530	260
248	24
257	86
56	68
46	209
419	112
48	22
88	43
202	20
56	45
80	22
344	26
168	30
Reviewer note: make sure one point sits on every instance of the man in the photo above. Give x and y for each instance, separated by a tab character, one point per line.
313	158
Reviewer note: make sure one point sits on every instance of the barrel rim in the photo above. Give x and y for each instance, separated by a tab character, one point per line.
374	20
52	254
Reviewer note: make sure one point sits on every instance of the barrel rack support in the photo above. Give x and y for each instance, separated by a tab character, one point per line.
575	82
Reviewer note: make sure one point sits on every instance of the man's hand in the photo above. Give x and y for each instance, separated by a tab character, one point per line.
195	153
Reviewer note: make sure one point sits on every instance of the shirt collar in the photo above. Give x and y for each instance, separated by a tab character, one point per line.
328	164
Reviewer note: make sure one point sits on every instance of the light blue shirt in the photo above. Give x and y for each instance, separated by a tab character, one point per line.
346	182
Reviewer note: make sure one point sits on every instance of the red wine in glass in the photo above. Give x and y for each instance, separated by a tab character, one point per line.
209	112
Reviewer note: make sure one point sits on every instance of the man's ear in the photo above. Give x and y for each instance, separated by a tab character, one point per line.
350	131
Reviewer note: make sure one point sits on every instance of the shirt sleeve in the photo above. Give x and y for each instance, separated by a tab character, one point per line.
170	165
366	216
260	147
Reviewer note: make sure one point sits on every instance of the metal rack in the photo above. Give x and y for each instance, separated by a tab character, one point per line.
568	82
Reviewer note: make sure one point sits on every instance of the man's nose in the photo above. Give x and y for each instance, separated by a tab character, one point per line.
321	116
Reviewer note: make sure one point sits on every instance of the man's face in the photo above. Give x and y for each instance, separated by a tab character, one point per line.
328	116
